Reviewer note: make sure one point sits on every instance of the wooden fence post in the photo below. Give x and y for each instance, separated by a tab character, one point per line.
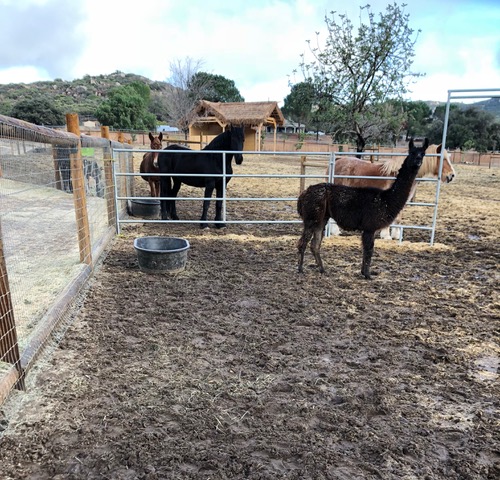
57	172
302	172
80	201
9	348
108	175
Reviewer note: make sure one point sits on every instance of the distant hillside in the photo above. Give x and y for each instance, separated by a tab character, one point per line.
83	95
492	105
80	96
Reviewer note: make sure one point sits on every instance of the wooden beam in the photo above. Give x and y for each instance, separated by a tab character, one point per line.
80	201
9	346
109	193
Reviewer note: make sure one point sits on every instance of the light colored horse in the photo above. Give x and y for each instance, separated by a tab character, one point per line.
389	167
149	164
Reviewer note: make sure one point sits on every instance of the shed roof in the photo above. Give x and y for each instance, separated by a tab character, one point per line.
238	113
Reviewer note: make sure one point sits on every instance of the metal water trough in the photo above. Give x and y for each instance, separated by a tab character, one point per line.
161	254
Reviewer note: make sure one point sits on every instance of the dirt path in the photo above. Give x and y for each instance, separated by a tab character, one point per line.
241	368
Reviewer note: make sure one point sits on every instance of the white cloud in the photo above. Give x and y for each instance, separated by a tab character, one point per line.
28	74
257	44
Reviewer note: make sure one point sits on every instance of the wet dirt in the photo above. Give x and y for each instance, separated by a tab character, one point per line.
239	367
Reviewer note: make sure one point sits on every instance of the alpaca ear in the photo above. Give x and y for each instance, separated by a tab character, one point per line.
151	136
426	143
439	147
411	145
160	137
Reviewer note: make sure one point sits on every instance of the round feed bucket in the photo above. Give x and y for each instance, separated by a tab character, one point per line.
145	207
161	254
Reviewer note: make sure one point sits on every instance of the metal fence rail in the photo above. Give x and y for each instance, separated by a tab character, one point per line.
328	159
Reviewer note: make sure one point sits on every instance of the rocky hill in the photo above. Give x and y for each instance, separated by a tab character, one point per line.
491	105
83	95
80	96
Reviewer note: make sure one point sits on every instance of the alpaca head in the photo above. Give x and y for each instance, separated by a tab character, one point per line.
416	154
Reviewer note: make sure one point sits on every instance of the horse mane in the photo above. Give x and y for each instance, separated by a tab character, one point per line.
219	142
390	165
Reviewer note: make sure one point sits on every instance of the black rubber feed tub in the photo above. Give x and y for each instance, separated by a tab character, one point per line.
145	208
161	254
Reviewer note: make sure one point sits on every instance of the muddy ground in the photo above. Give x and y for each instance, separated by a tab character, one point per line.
239	367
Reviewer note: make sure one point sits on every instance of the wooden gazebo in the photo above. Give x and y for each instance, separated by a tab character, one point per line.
211	118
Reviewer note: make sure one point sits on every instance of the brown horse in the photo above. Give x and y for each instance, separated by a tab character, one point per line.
388	167
149	164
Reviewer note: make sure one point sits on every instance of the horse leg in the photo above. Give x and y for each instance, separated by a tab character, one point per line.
396	231
218	205
151	187
368	240
173	193
385	233
209	189
335	230
165	191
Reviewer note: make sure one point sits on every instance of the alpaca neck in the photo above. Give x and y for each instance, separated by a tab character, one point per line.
397	196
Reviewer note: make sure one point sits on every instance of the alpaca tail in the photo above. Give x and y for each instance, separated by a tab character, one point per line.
312	201
300	204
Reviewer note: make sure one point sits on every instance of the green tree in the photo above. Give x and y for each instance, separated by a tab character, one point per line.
418	118
126	108
468	127
38	110
298	104
358	71
159	106
214	88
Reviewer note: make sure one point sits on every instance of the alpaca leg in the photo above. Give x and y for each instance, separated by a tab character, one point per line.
368	240
302	245
316	246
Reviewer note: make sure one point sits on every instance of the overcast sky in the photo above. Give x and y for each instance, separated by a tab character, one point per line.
256	43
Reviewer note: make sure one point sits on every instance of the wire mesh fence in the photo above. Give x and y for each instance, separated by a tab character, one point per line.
56	216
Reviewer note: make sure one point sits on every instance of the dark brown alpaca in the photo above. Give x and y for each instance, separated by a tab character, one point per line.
353	208
149	164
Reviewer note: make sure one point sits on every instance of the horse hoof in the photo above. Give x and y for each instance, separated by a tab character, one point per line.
204	226
220	225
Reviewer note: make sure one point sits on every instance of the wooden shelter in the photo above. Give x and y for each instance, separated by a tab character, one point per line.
211	118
